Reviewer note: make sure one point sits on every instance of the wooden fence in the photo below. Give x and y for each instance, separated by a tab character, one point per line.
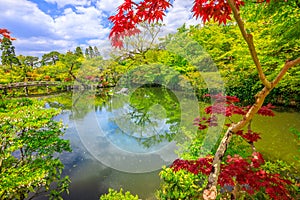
26	85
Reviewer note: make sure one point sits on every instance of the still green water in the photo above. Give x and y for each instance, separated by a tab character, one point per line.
277	141
92	176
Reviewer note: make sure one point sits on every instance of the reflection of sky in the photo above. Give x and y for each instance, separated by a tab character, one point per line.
90	178
125	134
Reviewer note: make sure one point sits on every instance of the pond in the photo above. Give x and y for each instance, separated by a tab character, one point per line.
121	141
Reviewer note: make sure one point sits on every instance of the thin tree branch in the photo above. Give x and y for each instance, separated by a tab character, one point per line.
285	68
251	142
249	39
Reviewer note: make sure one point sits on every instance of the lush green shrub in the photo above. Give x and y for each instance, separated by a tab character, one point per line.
29	139
118	195
180	185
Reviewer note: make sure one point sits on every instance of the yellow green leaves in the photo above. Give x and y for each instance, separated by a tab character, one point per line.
29	140
118	195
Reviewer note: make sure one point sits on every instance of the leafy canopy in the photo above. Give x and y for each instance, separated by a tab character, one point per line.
130	14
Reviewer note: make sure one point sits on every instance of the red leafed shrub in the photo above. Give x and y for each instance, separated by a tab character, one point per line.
245	172
202	165
240	171
67	79
266	110
226	105
250	136
210	121
47	78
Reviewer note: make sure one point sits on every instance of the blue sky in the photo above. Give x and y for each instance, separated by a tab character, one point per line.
41	26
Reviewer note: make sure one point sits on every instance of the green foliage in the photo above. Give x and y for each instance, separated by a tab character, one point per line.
295	132
9	75
180	185
29	139
118	195
190	149
78	52
8	56
50	58
276	36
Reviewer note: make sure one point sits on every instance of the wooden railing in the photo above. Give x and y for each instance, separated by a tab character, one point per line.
30	84
47	84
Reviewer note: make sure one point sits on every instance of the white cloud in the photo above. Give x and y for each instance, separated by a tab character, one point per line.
25	18
39	45
179	14
83	22
63	3
108	5
37	32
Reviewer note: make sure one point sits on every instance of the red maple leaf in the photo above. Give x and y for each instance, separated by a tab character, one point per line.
250	136
6	34
266	110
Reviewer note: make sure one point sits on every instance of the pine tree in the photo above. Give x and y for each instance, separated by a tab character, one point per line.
8	56
78	52
87	55
91	52
96	51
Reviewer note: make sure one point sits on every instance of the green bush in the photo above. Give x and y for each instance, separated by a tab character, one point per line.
118	195
180	185
29	139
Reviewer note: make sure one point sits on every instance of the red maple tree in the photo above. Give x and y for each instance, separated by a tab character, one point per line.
237	171
130	13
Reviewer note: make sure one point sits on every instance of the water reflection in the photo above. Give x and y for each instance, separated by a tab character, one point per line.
90	178
148	118
148	123
134	133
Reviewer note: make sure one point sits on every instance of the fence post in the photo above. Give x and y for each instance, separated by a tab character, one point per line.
26	90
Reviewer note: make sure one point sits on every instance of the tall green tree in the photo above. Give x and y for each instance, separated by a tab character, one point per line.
50	58
91	52
78	51
96	51
72	63
86	53
8	56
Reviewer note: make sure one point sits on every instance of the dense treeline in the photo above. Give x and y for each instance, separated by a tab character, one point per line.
222	47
